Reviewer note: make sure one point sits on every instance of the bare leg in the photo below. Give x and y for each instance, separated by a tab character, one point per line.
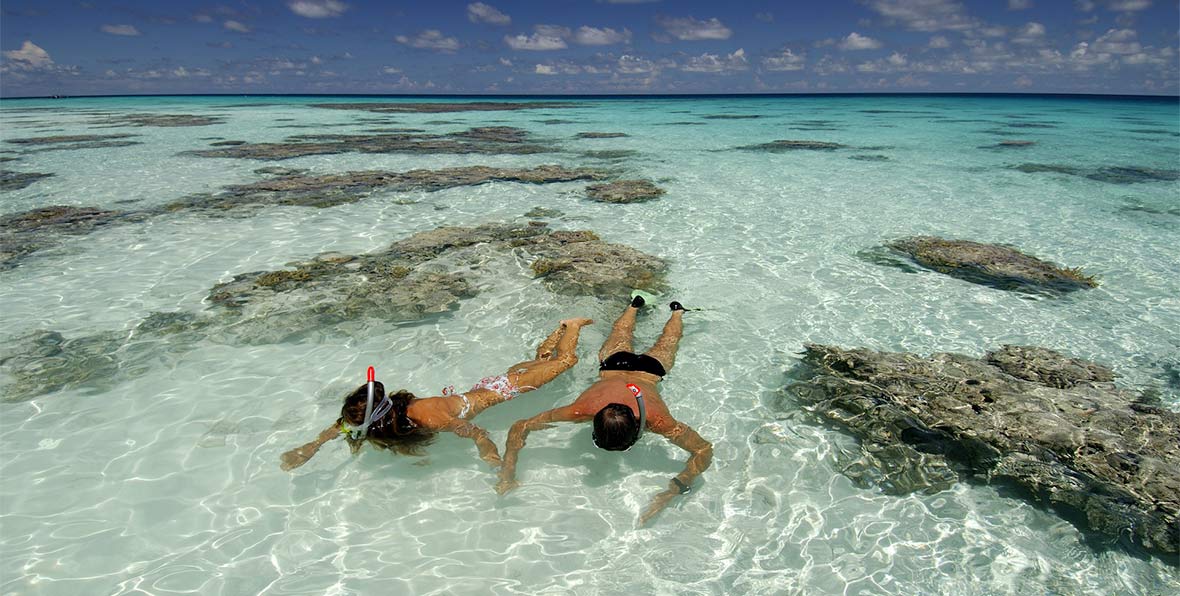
545	350
669	341
619	339
531	375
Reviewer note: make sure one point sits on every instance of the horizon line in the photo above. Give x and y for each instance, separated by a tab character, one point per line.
619	95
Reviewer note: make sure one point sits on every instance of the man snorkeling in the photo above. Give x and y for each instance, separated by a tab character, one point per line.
622	403
404	423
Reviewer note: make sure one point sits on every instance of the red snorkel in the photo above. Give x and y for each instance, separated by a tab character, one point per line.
363	430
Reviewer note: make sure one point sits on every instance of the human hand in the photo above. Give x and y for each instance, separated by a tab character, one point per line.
660	501
294	458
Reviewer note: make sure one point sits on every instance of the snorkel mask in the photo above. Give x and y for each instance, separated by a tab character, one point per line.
360	432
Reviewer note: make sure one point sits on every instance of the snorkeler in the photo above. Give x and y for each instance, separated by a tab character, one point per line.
406	424
622	403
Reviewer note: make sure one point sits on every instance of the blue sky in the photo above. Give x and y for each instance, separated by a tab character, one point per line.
589	46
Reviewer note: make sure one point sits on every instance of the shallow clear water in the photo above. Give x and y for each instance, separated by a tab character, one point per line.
167	481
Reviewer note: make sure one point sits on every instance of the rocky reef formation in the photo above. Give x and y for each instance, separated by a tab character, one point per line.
1056	428
786	145
22	234
417	276
991	265
292	187
43	361
331	294
159	120
493	140
1108	174
69	142
445	107
624	191
10	180
601	135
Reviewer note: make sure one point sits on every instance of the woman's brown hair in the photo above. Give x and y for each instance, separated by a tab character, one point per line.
394	431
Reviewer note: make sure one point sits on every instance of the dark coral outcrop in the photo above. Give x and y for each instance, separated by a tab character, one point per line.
992	265
1029	417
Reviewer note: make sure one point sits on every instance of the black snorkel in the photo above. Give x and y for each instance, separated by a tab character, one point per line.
642	409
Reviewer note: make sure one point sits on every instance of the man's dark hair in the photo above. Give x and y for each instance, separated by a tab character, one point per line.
615	427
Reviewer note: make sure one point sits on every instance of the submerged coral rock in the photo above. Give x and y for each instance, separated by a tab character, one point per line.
160	120
416	277
10	180
69	142
44	361
484	140
782	146
1109	174
24	233
624	191
601	135
992	265
446	107
1068	436
65	139
579	263
335	189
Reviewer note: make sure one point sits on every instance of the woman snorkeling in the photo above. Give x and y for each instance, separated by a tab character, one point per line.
405	423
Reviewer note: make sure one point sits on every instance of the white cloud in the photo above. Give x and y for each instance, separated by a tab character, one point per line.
545	69
713	63
628	64
1118	41
390	70
483	13
506	62
30	56
1084	5
1019	4
784	61
1023	82
128	30
925	15
829	65
236	26
1031	33
590	36
1083	57
317	9
690	29
940	42
544	38
896	59
856	41
430	39
1127	5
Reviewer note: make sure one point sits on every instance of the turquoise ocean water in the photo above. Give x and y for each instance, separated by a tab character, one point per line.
167	481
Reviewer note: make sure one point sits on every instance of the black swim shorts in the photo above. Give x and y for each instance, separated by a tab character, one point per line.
633	362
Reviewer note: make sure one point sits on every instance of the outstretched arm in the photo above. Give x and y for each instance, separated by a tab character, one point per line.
701	456
299	455
516	437
487	449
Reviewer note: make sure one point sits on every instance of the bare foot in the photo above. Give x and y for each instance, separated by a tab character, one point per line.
576	322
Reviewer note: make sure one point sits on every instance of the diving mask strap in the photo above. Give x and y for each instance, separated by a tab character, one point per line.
642	409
